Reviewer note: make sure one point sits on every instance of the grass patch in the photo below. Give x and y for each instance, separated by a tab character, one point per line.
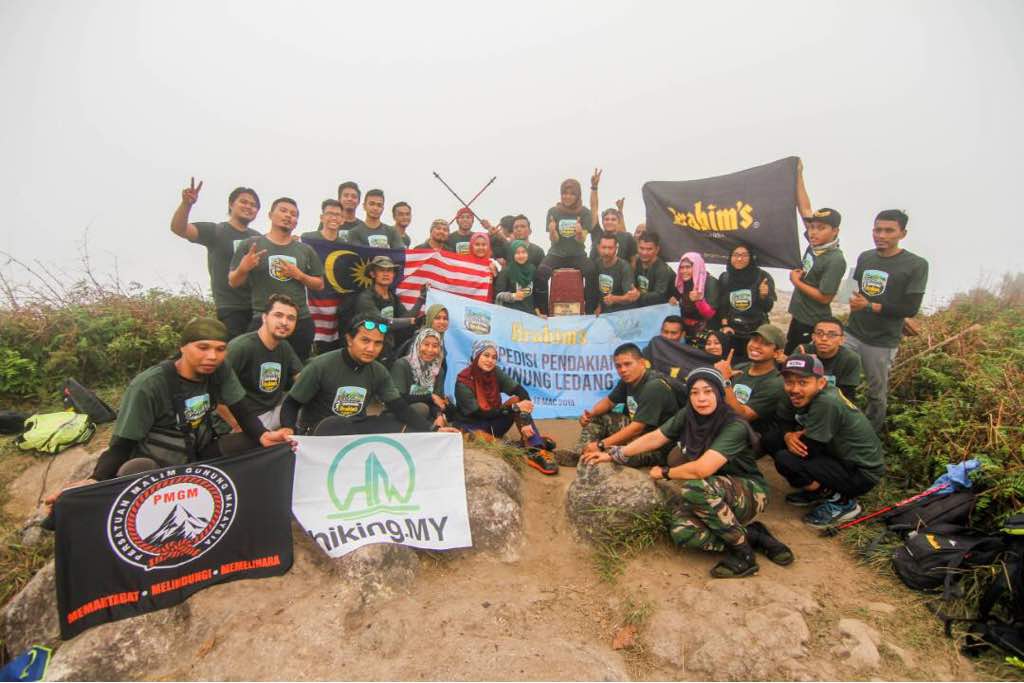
620	536
515	456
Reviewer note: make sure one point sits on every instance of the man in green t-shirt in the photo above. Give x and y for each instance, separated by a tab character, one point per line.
614	278
831	453
234	307
402	213
265	365
459	240
331	217
842	366
165	416
648	401
815	284
277	264
891	283
374	233
756	388
341	385
349	195
522	231
655	281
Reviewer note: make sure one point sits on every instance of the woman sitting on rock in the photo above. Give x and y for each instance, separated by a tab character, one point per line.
419	375
481	412
722	489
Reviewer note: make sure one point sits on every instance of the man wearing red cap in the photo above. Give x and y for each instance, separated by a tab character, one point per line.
458	241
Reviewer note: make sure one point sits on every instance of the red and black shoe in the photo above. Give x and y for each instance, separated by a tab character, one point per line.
542	460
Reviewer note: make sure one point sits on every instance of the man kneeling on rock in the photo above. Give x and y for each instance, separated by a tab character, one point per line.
166	414
722	489
648	402
335	390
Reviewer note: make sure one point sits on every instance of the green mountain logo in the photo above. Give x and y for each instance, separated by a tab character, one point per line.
376	492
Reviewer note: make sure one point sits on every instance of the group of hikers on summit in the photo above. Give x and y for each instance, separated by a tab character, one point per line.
254	376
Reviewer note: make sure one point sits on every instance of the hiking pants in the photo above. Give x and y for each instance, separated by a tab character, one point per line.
819	466
603	426
581	263
367	424
237	321
709	514
876	361
799	333
499	426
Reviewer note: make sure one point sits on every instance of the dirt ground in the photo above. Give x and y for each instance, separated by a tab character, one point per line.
547	616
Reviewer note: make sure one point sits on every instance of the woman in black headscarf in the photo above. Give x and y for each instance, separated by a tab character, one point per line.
746	296
722	489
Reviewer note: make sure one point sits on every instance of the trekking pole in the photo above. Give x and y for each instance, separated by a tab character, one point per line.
454	194
834	530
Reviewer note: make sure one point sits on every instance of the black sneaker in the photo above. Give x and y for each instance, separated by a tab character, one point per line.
739	562
805	499
762	540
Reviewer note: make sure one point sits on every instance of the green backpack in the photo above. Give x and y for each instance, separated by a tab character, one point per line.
53	432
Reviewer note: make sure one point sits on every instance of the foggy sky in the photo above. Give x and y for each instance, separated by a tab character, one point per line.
110	107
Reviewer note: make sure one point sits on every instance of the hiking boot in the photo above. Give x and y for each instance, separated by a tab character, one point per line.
549	443
480	435
739	562
803	499
566	457
832	512
542	460
762	540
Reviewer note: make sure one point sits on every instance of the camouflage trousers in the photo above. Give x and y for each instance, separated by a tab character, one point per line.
603	426
709	514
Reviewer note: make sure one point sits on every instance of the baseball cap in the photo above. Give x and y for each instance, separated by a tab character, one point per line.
804	364
464	211
771	334
828	216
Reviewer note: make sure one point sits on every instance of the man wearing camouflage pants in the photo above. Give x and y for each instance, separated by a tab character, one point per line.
648	402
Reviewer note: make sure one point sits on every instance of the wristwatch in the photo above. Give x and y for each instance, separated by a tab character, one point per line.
728	383
664	472
600	445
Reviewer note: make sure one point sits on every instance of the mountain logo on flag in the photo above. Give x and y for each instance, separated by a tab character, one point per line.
170	517
371	475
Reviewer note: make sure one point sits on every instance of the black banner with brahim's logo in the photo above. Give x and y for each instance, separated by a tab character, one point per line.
755	207
137	544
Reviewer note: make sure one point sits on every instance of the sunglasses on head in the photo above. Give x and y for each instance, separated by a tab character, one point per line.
371	325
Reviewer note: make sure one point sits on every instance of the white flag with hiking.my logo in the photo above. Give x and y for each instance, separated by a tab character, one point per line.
409	489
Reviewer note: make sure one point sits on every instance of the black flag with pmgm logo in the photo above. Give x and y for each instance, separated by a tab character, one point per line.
755	207
137	544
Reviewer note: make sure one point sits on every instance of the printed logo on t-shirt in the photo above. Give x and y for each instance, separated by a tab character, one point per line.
642	283
342	236
196	408
631	406
387	312
741	299
420	390
831	380
526	289
801	419
379	241
808	262
605	282
270	377
567	227
742	392
872	282
348	401
276	265
234	245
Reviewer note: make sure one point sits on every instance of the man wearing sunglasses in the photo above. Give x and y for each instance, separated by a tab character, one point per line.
335	389
842	365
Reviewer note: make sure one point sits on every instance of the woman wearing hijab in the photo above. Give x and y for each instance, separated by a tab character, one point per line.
698	294
717	343
722	489
480	410
419	375
568	223
747	294
437	319
514	286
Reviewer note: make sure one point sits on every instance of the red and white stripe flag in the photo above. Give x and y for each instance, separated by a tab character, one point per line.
460	274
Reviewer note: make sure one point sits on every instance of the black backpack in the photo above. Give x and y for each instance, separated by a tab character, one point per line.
934	556
951	508
84	401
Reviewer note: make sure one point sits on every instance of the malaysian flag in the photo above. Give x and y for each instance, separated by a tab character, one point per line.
345	275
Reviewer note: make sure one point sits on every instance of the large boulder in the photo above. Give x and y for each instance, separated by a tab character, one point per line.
122	650
607	496
495	502
30	618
